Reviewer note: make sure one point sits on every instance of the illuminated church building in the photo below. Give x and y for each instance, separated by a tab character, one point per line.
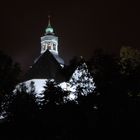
48	65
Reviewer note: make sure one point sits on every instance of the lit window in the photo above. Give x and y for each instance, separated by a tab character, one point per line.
49	47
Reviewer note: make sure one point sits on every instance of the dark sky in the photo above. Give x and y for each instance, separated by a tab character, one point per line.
82	26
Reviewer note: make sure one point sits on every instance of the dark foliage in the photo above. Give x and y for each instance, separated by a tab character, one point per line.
69	69
112	108
22	106
53	95
9	76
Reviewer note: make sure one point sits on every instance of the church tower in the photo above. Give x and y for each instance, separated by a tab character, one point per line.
48	64
49	41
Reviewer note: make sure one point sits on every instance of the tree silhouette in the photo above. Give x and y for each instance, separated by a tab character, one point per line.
9	76
107	77
22	106
130	70
53	94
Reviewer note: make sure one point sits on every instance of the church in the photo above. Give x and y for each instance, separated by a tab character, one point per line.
49	66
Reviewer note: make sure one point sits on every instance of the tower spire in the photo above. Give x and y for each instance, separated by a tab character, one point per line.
49	29
49	21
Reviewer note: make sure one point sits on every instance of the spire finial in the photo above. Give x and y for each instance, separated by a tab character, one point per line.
49	29
49	20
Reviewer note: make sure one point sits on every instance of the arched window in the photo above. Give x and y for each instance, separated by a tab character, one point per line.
54	46
49	46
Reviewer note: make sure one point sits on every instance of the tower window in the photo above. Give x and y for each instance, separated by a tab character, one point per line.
49	46
54	46
43	47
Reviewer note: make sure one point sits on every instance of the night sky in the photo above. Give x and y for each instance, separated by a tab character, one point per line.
82	26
